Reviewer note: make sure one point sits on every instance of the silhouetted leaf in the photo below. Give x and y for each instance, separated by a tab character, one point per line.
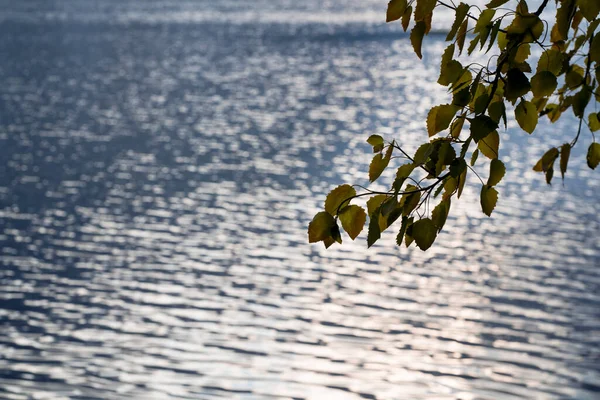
423	9
563	19
461	12
543	84
574	77
497	171
481	126
488	199
551	60
403	172
462	34
580	101
495	3
416	37
422	153
440	214
589	9
353	220
402	231
424	233
406	18
337	196
395	10
374	231
593	155
320	227
565	152
526	115
517	84
456	126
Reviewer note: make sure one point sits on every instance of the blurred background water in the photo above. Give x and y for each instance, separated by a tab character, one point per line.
159	164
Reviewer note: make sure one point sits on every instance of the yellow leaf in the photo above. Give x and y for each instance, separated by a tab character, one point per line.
339	198
527	116
497	171
395	10
320	227
374	202
424	233
353	220
488	199
593	155
488	146
439	118
461	13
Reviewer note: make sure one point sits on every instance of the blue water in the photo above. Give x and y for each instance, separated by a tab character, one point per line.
159	164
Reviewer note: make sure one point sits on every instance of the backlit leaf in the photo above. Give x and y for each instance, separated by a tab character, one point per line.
589	8
495	3
402	173
423	9
379	163
594	121
547	160
462	34
424	233
402	231
439	118
488	146
456	126
488	199
580	101
406	18
353	220
593	155
377	142
374	202
474	157
563	21
543	84
497	171
595	48
339	198
422	153
320	227
551	60
526	115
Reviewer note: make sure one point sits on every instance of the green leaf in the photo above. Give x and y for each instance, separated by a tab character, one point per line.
439	118
543	84
527	116
489	145
424	233
517	84
494	34
379	163
481	126
565	152
488	199
422	153
593	155
462	179
497	171
403	172
549	175
374	202
410	200
461	13
440	214
377	142
484	20
547	160
416	37
395	10
474	157
320	227
495	3
456	126
497	110
337	196
407	235
374	231
551	61
595	49
574	77
353	220
594	121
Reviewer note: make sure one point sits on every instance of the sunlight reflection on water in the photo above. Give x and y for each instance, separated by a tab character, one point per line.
155	187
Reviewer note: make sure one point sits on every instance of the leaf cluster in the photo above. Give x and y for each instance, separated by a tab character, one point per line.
565	78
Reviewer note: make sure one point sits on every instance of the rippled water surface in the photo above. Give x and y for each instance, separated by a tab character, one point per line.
159	164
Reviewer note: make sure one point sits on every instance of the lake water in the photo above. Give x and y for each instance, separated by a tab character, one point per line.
159	164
